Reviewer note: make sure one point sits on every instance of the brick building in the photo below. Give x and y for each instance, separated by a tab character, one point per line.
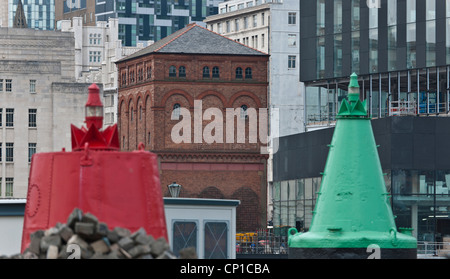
197	73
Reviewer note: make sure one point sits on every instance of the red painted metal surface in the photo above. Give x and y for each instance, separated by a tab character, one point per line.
122	189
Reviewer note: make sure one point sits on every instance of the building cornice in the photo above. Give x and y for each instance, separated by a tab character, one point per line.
241	12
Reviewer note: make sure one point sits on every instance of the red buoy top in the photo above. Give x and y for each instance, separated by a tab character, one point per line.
94	97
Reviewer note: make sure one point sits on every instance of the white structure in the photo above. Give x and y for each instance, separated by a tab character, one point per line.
96	50
208	225
271	26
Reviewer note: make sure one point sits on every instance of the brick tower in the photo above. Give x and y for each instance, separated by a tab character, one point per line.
176	97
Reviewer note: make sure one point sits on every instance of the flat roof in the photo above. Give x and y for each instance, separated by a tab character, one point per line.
192	201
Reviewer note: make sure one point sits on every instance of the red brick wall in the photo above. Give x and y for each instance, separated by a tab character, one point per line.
216	170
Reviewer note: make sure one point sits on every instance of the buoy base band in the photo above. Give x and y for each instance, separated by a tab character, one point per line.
351	253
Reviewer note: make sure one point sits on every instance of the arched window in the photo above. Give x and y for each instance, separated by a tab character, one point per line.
182	72
172	71
244	113
215	72
238	72
206	72
176	112
248	73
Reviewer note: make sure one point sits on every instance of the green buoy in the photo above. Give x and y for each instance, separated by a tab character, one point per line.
353	218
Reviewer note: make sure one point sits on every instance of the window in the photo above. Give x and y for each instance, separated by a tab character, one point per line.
236	25
263	21
254	21
172	71
33	86
292	18
32	113
263	43
228	27
176	112
9	85
184	235
31	151
239	73
292	40
149	72
1	85
215	72
248	73
216	240
9	152
1	117
9	187
244	113
1	152
182	72
206	72
291	61
245	22
9	117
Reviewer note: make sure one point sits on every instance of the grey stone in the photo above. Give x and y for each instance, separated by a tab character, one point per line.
159	246
102	229
126	243
100	246
188	253
74	217
113	236
140	232
89	218
122	232
84	228
52	252
65	232
139	250
76	239
144	239
35	243
46	241
166	255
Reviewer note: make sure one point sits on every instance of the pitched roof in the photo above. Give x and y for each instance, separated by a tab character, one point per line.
195	39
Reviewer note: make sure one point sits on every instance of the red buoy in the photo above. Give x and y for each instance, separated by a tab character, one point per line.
122	189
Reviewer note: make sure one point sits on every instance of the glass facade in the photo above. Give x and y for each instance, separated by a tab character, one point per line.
144	20
420	200
40	14
398	51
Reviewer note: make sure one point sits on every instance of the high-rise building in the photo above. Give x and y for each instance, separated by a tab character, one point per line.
144	20
40	14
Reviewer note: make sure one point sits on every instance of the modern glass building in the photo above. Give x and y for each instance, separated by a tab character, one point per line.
144	20
40	14
401	53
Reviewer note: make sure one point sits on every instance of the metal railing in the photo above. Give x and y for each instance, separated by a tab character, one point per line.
263	241
433	249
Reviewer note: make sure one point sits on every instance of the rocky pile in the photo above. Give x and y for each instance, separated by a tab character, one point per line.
84	237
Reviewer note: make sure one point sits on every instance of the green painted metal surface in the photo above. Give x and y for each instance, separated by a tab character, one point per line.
353	207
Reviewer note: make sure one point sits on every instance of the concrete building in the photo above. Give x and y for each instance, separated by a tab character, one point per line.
97	48
39	100
171	78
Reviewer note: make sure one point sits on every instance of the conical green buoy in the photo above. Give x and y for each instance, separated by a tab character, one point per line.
353	216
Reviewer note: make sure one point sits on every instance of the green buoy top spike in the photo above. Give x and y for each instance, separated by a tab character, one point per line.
353	108
352	211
